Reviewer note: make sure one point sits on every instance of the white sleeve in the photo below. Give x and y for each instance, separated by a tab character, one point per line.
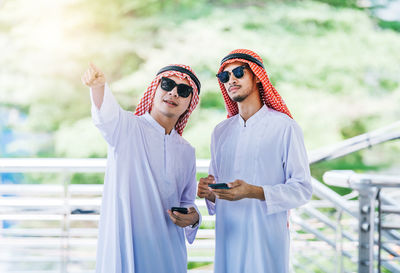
212	169
109	118
188	200
297	189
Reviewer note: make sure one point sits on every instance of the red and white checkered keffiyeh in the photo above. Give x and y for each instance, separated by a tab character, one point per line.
146	102
269	95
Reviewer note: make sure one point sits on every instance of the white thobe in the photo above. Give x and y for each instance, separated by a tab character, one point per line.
267	151
147	173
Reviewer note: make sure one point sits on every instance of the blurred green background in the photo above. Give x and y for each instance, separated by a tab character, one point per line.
335	63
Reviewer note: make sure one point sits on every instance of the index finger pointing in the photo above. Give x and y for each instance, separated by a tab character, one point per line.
95	68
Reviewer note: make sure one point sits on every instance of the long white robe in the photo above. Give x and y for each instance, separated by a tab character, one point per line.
147	173
268	151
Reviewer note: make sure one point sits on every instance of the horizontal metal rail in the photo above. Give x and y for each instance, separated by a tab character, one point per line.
357	143
80	210
67	165
369	187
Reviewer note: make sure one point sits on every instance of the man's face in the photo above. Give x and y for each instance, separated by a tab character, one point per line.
168	103
240	88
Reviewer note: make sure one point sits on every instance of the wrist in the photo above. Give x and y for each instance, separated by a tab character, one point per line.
211	198
196	221
195	224
256	192
98	88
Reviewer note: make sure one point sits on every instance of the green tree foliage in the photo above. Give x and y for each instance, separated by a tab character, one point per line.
333	65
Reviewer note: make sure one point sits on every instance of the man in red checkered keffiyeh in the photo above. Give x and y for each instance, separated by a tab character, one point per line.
183	72
258	170
269	95
148	205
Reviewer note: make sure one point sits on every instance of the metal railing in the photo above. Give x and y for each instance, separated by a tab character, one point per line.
62	219
333	219
372	206
53	227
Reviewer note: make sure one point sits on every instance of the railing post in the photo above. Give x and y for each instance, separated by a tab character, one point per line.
66	223
378	196
366	226
339	242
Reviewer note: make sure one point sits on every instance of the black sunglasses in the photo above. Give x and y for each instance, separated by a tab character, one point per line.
184	90
238	72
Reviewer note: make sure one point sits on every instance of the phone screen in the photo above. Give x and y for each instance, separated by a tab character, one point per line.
180	210
219	186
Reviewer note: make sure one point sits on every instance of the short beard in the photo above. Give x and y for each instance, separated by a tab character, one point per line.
239	98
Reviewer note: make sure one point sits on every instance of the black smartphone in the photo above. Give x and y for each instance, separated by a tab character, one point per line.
180	210
219	186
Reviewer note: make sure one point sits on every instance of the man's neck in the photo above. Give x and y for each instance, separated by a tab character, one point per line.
166	122
250	106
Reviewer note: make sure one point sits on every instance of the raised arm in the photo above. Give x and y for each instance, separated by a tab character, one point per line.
107	115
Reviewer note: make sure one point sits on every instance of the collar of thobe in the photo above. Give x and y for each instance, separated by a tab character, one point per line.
156	125
254	118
